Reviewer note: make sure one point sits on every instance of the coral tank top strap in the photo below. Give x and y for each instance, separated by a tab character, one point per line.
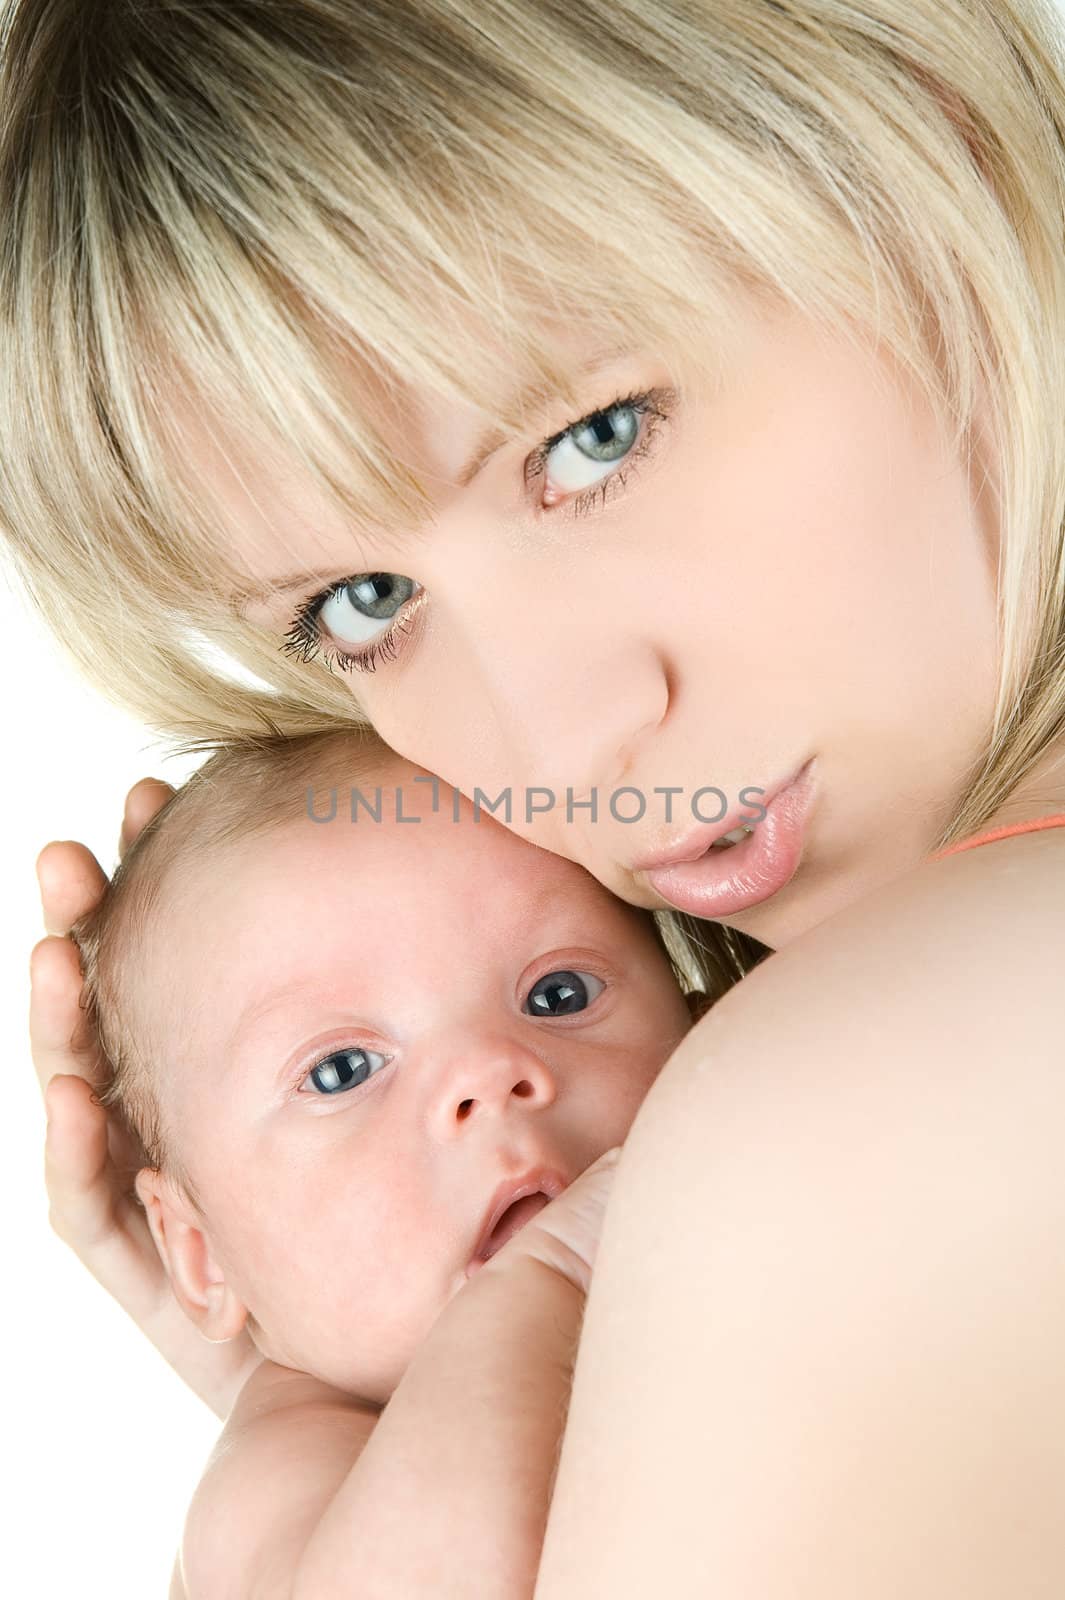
1056	821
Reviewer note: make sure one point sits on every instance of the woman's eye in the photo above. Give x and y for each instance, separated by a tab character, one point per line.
557	994
365	617
364	607
366	614
344	1069
586	454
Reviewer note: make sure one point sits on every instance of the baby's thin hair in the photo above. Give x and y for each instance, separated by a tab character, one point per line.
239	204
244	789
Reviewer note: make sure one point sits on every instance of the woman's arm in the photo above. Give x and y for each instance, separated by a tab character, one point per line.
89	1164
822	1352
445	1493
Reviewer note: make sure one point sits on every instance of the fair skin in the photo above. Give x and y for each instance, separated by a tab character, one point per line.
372	1087
310	1493
799	571
364	1059
592	663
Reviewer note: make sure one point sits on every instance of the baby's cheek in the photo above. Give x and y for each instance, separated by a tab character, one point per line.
371	1343
646	1060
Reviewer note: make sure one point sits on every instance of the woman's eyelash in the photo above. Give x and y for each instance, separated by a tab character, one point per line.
303	639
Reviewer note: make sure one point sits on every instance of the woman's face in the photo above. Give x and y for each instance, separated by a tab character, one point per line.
794	570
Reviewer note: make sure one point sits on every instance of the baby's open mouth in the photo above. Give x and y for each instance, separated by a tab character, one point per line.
515	1202
517	1214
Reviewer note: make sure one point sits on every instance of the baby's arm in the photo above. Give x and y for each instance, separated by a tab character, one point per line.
446	1490
311	1496
287	1445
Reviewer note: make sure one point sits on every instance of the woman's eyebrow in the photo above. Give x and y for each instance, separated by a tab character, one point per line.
531	398
240	598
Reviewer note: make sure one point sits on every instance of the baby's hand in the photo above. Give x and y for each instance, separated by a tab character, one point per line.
565	1234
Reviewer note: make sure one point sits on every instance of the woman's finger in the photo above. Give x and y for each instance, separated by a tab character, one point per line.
60	1040
146	797
92	1212
76	1164
71	882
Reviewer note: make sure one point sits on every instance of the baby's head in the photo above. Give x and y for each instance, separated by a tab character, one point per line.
337	1039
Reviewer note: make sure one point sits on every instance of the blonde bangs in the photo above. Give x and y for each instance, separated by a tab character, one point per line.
249	202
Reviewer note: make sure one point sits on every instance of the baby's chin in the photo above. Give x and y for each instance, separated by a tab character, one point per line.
371	1385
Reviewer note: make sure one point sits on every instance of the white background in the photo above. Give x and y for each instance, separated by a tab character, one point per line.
103	1442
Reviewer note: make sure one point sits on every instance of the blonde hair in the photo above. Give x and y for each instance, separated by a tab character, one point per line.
244	199
244	790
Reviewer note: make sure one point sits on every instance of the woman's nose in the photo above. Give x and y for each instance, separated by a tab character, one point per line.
562	704
580	726
495	1077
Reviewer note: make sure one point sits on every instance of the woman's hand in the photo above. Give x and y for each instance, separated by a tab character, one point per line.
90	1160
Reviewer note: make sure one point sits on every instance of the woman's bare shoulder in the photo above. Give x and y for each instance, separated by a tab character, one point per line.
903	1058
957	961
834	1244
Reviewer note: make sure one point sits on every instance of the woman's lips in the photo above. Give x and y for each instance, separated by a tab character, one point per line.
720	882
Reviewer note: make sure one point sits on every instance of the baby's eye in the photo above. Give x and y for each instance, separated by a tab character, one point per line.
344	1069
556	994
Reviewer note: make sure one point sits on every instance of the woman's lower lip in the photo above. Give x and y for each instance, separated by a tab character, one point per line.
726	881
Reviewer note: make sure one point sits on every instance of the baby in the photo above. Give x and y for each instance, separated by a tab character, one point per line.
367	1036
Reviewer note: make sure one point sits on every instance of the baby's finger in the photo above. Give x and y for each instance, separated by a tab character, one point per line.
80	1196
146	797
71	882
60	1041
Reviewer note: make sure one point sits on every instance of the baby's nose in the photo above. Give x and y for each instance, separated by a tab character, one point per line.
491	1077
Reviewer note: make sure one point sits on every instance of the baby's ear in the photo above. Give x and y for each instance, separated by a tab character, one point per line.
698	1003
185	1251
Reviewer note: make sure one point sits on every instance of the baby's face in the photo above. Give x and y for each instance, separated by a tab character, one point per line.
373	1026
